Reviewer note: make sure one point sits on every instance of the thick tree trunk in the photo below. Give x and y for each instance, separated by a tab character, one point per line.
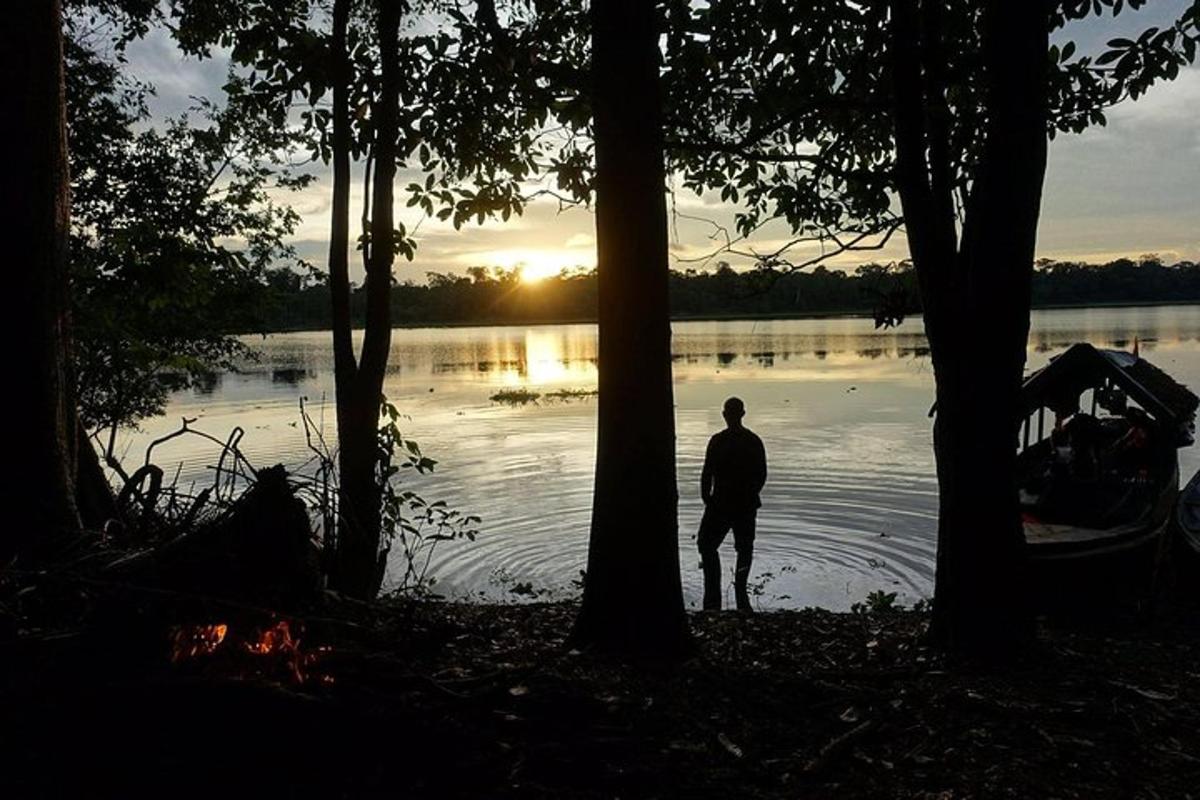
632	599
37	214
981	593
361	559
976	298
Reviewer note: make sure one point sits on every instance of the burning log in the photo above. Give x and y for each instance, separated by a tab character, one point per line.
269	652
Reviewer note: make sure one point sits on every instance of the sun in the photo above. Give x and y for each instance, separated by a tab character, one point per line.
538	269
536	264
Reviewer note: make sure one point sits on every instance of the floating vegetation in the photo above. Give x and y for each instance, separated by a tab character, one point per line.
572	394
520	397
515	397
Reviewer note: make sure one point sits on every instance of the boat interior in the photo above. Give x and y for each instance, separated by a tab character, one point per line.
1096	471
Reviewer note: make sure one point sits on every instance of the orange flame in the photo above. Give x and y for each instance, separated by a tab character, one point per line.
277	640
189	641
274	647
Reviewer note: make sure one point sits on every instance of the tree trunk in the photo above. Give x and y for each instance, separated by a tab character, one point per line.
93	494
980	596
632	600
339	226
344	364
361	559
976	296
36	211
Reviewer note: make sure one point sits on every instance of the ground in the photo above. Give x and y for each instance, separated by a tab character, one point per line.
446	700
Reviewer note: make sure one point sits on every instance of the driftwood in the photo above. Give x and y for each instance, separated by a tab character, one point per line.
148	496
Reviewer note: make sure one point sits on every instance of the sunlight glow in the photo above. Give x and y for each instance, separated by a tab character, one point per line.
538	269
537	264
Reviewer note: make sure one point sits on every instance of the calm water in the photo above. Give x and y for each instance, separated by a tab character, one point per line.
849	505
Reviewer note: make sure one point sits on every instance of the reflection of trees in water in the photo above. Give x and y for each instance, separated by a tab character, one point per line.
767	358
764	359
550	355
761	358
292	376
206	383
1049	341
449	367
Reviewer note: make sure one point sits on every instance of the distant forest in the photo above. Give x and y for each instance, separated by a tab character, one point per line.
500	297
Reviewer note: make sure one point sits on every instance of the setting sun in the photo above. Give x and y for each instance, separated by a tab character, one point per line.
538	269
537	264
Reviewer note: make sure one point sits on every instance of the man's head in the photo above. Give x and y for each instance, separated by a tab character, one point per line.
733	411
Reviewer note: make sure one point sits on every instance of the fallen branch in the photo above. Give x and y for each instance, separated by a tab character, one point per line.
836	746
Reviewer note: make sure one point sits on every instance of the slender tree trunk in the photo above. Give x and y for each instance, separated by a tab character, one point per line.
36	212
344	364
632	599
339	233
976	295
361	559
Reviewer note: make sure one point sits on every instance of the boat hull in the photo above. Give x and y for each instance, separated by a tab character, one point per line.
1185	546
1074	566
1187	519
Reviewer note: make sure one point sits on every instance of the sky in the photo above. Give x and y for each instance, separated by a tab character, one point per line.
1126	189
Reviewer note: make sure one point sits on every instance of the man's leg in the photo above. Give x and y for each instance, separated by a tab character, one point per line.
743	541
712	532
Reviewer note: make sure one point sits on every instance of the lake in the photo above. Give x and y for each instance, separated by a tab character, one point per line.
850	502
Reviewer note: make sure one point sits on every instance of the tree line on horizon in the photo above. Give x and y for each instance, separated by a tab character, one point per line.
290	301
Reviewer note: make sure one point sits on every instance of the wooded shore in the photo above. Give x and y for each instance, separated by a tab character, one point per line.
484	298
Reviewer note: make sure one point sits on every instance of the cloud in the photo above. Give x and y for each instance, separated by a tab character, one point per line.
1132	187
176	78
1171	105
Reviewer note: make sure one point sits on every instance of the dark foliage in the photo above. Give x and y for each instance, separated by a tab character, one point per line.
174	232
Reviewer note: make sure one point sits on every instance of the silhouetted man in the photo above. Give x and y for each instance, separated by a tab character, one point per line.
735	469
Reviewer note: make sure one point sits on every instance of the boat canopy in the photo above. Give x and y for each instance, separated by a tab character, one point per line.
1059	385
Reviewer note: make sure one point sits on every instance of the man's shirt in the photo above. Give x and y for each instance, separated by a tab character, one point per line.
735	469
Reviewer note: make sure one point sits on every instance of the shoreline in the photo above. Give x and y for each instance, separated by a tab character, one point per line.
731	317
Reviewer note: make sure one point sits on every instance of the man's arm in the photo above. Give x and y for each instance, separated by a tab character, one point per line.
760	472
706	475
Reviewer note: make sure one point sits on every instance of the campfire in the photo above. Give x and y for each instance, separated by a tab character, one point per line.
265	652
190	641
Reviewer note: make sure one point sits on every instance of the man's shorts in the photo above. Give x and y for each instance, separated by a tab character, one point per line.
716	524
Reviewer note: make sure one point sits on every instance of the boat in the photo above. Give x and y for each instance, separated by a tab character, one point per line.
1098	471
1187	518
